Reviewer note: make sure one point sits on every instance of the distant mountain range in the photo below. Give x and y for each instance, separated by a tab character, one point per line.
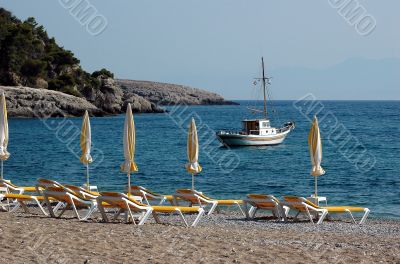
353	79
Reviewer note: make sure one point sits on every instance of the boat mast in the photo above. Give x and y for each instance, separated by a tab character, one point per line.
264	88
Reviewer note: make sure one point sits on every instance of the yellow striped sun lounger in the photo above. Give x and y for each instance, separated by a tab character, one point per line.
150	196
302	205
265	202
71	200
130	206
197	198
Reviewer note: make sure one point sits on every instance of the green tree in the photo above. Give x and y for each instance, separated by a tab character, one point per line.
103	73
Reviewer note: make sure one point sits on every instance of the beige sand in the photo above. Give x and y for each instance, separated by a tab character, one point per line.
224	238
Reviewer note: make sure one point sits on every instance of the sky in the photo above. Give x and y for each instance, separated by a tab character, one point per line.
216	45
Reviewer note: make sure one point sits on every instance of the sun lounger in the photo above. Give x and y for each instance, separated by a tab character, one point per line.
150	196
198	198
265	202
44	183
70	199
302	205
12	188
129	205
84	192
22	200
15	197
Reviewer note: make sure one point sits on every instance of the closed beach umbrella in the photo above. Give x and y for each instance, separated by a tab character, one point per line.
129	164
86	144
193	166
315	147
4	155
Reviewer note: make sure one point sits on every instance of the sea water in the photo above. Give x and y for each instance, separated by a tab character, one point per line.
360	153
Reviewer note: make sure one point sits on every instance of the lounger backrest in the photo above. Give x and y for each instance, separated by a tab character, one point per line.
85	193
189	195
4	183
5	186
139	190
47	183
61	194
115	198
263	200
297	202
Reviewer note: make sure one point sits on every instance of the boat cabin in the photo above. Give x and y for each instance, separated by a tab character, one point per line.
261	127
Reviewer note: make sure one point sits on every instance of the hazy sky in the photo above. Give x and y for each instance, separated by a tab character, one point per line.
217	44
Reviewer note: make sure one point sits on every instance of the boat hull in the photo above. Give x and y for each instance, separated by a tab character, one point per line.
252	140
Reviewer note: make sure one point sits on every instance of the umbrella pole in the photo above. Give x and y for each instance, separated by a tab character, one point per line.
129	184
192	182
2	169
316	186
87	177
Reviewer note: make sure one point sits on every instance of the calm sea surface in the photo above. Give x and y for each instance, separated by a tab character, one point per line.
363	171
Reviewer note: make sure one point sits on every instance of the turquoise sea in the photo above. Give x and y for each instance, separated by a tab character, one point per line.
361	141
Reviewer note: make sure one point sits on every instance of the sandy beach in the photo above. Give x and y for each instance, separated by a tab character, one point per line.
220	238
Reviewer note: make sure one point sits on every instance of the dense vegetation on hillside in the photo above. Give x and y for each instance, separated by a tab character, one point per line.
29	57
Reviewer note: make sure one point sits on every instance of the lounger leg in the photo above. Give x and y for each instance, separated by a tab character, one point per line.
91	210
16	206
309	215
213	207
51	212
147	201
296	216
74	208
351	215
130	213
161	201
117	214
145	216
285	211
102	212
364	218
281	212
199	216
275	212
63	211
23	205
182	217
323	215
246	210
253	213
156	218
174	201
240	208
40	206
58	206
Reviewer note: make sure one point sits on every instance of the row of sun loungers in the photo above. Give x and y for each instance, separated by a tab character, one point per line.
143	203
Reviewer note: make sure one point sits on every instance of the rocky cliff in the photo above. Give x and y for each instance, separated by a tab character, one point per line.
43	103
33	102
170	94
112	98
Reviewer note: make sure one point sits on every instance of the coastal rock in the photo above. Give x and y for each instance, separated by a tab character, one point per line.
140	104
111	99
108	97
170	94
42	103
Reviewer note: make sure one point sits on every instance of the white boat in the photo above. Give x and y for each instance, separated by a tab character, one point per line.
257	132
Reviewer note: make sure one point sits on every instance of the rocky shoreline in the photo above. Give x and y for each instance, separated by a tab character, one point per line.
171	94
112	98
